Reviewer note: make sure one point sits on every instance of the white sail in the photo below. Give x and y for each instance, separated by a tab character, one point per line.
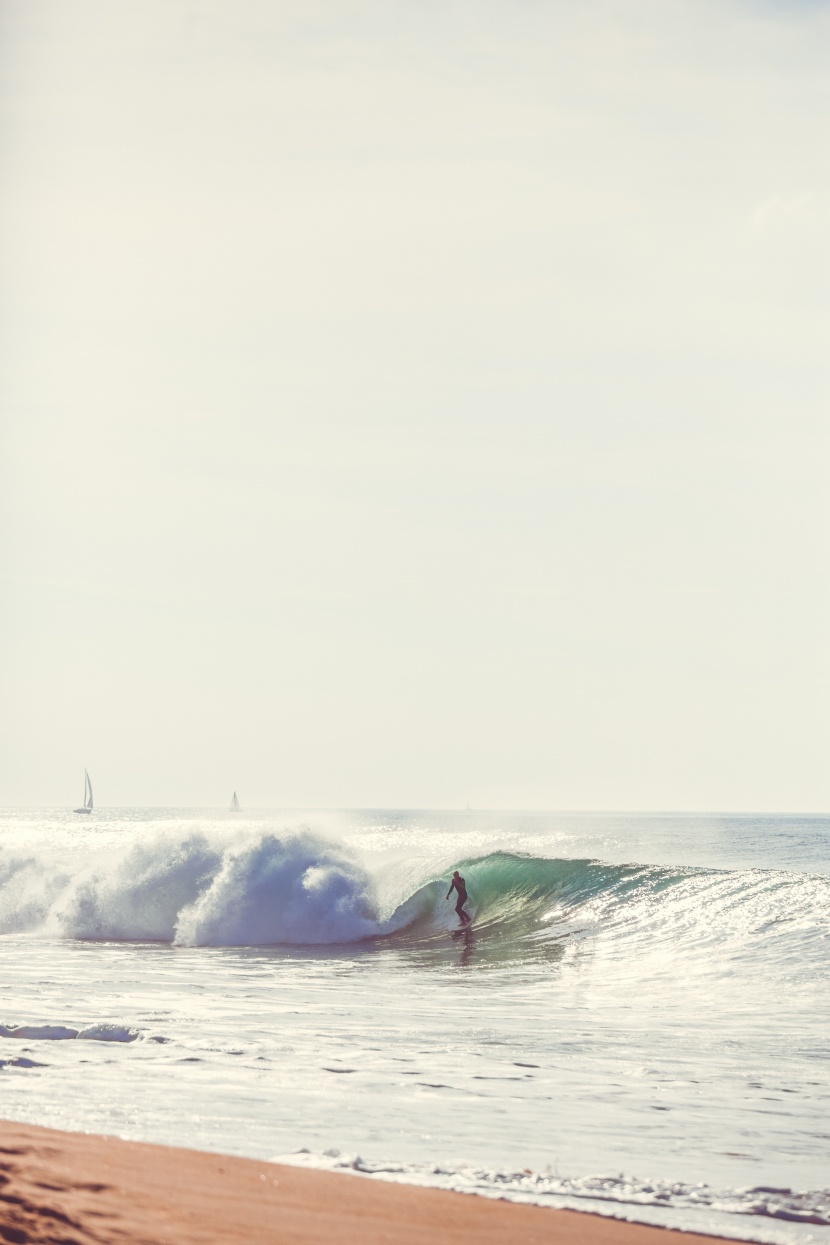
87	805
234	803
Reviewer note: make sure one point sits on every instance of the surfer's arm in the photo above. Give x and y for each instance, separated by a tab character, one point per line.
450	891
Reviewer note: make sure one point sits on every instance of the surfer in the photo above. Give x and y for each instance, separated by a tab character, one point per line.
457	885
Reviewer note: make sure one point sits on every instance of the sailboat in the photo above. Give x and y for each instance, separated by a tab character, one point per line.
234	803
87	808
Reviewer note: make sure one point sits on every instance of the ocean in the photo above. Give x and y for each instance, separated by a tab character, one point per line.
637	1022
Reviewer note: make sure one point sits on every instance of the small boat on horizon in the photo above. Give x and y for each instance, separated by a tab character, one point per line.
234	803
87	808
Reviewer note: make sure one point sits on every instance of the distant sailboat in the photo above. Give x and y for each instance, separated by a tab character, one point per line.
87	808
235	803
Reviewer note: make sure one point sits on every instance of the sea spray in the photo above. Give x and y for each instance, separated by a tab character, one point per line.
197	888
296	889
29	886
137	894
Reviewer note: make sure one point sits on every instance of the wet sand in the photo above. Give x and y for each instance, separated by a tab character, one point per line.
74	1189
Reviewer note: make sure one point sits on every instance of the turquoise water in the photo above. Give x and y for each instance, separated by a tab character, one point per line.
637	1021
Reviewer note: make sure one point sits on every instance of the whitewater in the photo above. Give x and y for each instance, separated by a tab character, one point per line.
637	1023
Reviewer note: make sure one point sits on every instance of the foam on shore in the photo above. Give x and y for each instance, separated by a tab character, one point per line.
737	1213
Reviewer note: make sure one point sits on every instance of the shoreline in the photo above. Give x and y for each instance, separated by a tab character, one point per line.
63	1188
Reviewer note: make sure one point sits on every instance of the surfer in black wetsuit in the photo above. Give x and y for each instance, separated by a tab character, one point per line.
457	885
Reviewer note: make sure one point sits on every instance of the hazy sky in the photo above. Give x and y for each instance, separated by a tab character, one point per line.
411	402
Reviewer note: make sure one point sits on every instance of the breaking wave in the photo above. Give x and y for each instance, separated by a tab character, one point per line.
196	888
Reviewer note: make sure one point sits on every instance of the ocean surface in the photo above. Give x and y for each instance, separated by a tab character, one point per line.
636	1023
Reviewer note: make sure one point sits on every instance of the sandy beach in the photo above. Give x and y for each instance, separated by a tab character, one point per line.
75	1189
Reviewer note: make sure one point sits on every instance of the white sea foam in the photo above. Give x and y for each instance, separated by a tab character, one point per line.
39	1033
106	1032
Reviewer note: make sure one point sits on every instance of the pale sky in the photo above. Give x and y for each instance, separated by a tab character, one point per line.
407	403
